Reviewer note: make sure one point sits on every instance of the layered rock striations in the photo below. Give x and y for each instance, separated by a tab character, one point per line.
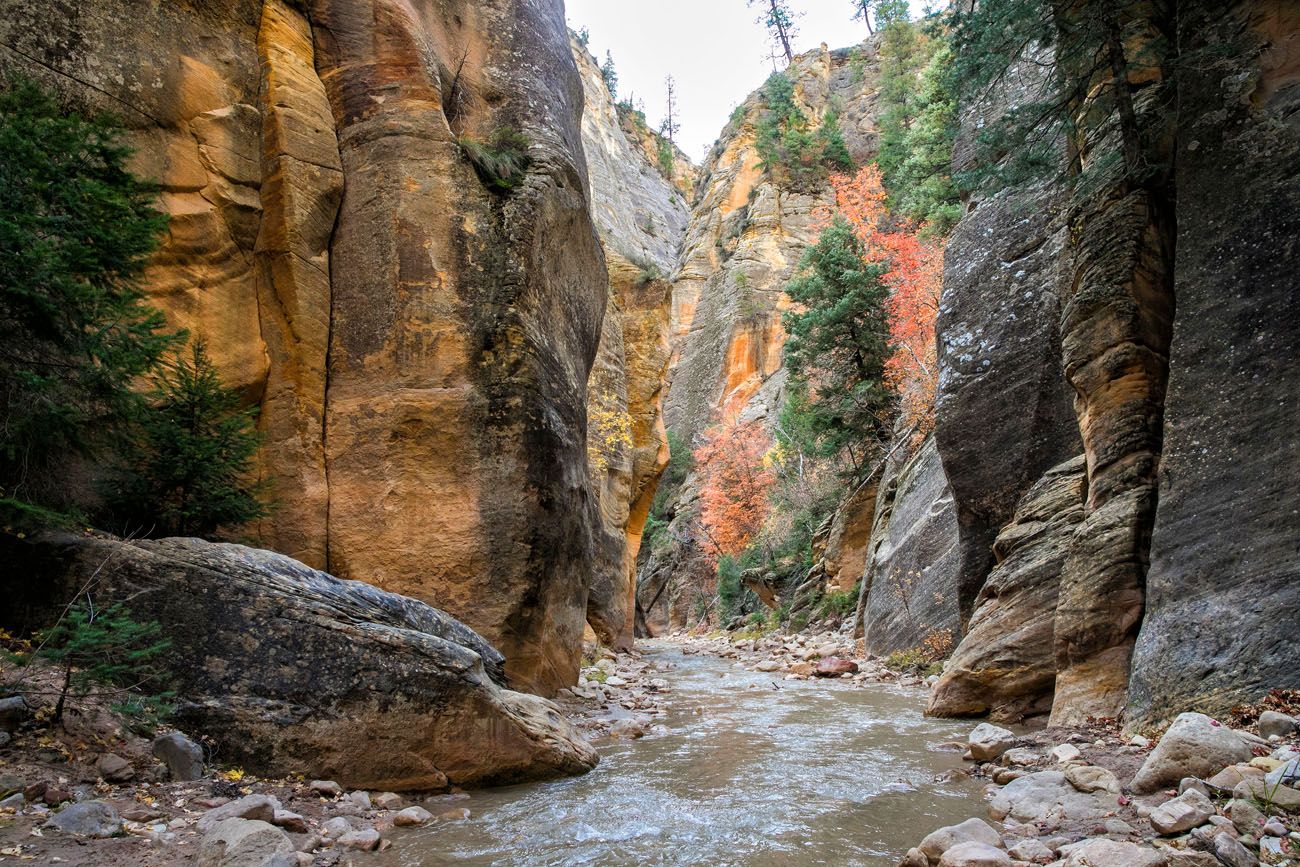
744	241
1224	576
1161	585
292	671
908	593
1005	665
417	343
641	216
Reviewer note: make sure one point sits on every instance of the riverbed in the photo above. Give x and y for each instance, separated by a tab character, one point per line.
752	770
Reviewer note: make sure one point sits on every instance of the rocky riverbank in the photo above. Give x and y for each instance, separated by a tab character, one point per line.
1203	794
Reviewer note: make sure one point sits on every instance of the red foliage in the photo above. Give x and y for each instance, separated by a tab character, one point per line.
733	485
915	277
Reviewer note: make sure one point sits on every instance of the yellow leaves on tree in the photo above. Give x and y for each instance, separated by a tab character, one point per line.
915	277
734	482
608	431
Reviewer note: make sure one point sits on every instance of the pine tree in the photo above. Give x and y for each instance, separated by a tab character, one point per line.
190	474
76	229
608	73
779	21
670	128
837	344
105	649
862	12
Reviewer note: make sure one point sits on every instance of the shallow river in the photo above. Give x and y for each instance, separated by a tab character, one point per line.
810	773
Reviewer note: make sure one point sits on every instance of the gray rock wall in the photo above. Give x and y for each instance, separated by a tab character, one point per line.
1223	589
909	588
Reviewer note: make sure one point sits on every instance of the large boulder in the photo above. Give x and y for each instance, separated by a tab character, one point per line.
293	671
972	830
987	742
1189	810
1194	746
183	757
1113	853
95	819
1048	798
242	843
975	854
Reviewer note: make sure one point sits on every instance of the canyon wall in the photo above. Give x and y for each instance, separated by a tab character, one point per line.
418	344
744	241
641	217
1160	578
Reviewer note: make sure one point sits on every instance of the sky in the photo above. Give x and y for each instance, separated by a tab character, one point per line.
715	49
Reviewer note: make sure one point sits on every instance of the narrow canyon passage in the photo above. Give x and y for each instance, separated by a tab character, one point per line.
812	773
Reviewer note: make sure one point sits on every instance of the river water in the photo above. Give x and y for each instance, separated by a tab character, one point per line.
812	772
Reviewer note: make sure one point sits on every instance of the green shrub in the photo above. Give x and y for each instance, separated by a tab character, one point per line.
647	272
76	231
502	161
837	603
190	470
103	651
791	151
666	158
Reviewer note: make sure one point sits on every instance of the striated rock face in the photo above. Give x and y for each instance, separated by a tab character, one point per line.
1115	328
293	671
641	217
1002	412
745	238
1224	579
464	329
418	345
1170	592
1005	665
840	547
908	587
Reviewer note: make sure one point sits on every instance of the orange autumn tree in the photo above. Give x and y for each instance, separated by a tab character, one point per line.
734	483
914	277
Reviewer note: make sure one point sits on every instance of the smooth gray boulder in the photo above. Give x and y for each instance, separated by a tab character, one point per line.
972	830
1189	810
259	808
87	819
986	742
1194	746
13	710
238	842
293	671
1048	798
1272	723
183	757
975	854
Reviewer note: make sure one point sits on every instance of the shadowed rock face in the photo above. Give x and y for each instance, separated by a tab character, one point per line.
293	671
419	346
1177	334
1003	413
1223	589
908	588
